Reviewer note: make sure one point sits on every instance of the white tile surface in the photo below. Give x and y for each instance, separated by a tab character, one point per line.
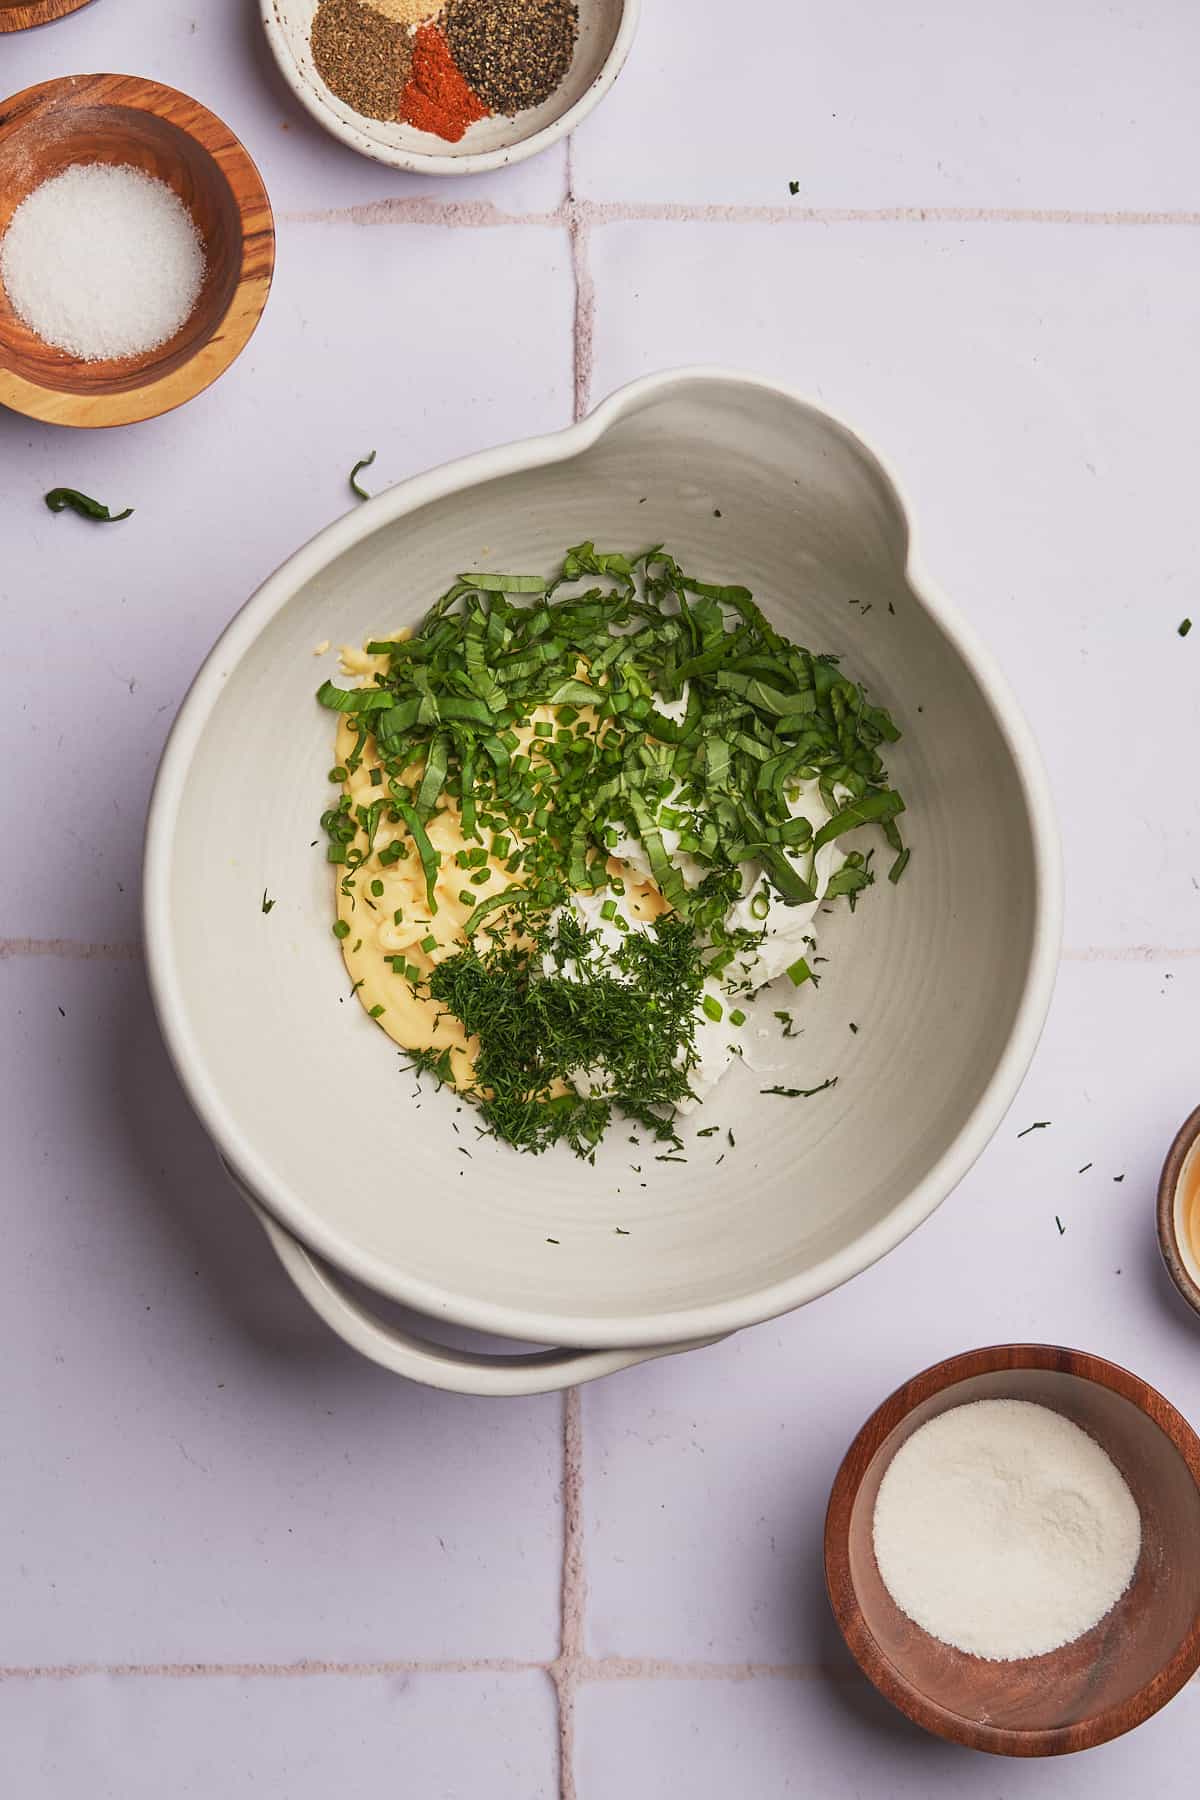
1029	385
206	1474
417	342
707	1476
195	1473
828	1740
417	1737
929	104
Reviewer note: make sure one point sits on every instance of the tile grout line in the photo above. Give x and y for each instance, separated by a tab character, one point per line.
583	1669
566	1671
69	949
578	222
484	215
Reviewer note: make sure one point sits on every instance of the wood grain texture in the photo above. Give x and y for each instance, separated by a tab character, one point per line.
1169	1210
122	119
1109	1680
19	15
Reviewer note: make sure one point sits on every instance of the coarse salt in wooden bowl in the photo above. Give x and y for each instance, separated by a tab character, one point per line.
124	120
19	15
1114	1676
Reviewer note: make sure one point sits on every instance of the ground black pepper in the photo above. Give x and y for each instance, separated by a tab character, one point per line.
362	57
514	53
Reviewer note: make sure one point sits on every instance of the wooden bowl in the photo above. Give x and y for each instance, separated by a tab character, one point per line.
19	15
1116	1675
123	119
1179	1211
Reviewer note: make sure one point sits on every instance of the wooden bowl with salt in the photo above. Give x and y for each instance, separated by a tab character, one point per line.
19	15
125	121
1107	1681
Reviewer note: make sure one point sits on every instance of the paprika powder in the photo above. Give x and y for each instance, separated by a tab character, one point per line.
437	97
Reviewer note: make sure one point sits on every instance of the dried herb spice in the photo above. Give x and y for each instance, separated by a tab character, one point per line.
514	53
362	56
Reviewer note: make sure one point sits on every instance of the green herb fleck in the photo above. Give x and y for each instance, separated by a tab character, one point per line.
267	903
801	1093
1038	1125
61	498
1185	625
340	929
364	462
1062	1230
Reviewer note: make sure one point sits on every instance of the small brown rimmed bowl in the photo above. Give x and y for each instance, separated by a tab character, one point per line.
1116	1675
123	119
19	15
1179	1195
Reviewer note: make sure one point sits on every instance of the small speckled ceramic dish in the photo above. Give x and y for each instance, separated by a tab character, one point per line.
1179	1211
1116	1675
606	31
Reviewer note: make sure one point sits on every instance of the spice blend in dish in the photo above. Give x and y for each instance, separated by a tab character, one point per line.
102	261
513	52
583	823
440	66
363	55
1004	1530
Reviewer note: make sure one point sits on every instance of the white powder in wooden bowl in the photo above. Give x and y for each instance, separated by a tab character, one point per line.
1003	1529
102	261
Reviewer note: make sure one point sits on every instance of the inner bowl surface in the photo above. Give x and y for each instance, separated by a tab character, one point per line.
1114	1676
606	32
946	975
123	120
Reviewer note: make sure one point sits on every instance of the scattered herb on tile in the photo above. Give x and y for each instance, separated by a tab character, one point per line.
1185	625
1038	1125
1085	1169
61	499
1062	1230
267	903
363	463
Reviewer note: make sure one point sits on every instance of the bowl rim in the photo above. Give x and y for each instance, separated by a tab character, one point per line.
547	1326
1168	1186
418	162
151	399
878	1667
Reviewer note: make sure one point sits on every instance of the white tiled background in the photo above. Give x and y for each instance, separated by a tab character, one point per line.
234	1560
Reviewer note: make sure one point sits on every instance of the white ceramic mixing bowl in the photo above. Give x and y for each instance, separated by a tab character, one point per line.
947	975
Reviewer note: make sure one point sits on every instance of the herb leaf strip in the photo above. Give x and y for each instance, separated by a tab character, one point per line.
450	718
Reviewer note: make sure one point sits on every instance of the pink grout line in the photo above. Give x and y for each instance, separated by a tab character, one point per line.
475	215
579	233
306	1669
483	215
68	949
1133	953
565	1672
640	1668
